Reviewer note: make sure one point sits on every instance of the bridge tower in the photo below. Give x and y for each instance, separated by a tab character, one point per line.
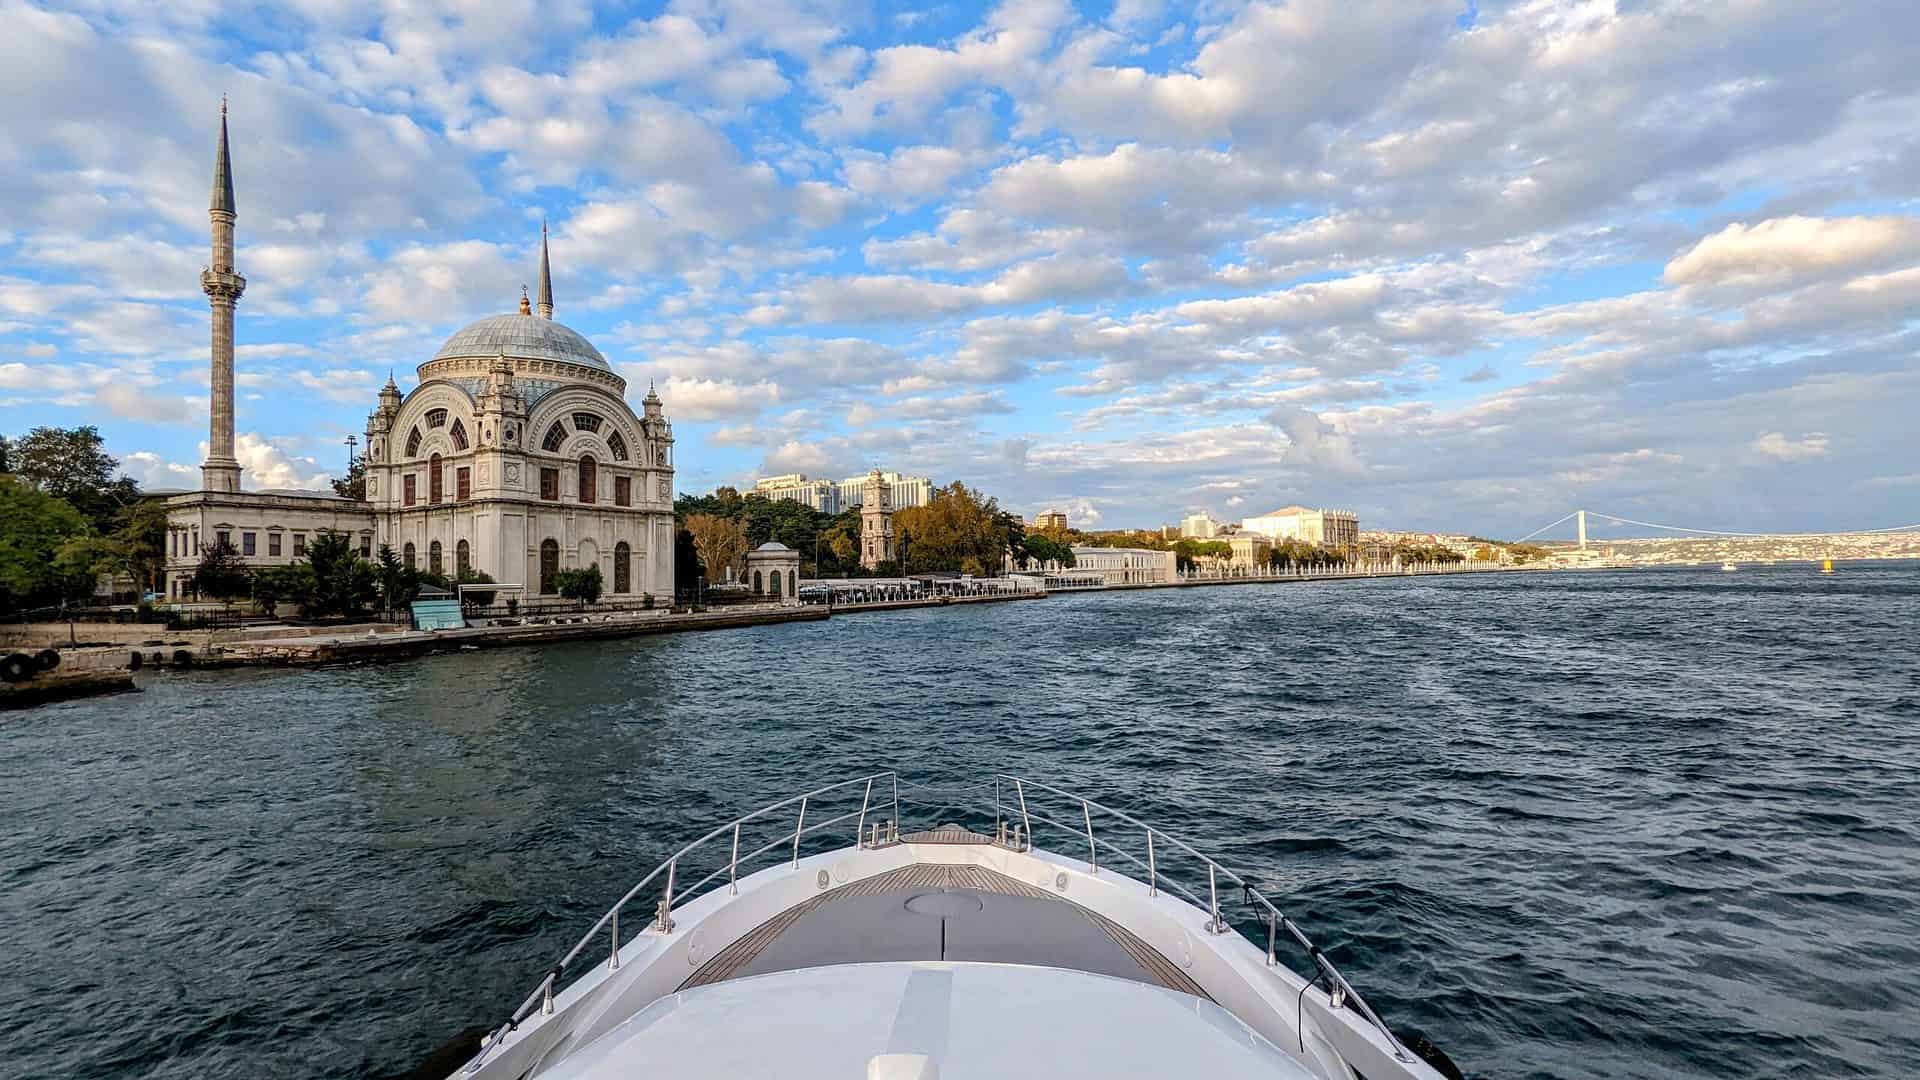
1583	530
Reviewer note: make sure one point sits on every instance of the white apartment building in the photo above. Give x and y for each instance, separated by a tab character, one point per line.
830	497
1200	527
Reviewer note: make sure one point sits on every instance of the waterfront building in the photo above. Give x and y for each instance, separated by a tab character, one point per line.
1332	528
1050	519
515	455
1250	550
1125	566
876	522
773	571
1200	526
830	497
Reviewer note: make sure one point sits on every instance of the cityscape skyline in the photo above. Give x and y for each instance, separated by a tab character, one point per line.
1109	262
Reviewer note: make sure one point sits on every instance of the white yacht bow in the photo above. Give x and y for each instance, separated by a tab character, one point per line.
942	955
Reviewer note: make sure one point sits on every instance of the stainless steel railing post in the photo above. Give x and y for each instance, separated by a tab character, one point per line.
1093	852
1213	899
896	798
999	826
1153	872
1273	934
666	901
1020	790
733	863
613	960
546	996
798	827
860	830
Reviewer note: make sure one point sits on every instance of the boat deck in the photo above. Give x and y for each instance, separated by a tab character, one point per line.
934	911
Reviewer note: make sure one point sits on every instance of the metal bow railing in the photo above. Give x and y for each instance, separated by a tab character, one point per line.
1014	817
542	996
1014	832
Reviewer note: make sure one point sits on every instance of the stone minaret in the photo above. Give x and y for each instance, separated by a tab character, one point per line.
223	286
546	277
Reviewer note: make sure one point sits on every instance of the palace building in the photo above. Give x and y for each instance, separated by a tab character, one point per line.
515	454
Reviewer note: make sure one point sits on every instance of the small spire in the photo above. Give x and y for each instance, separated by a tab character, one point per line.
546	275
525	308
222	167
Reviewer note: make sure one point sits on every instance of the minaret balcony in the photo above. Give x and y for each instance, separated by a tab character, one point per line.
222	284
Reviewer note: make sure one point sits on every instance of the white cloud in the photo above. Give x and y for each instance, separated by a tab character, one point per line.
1778	446
1795	249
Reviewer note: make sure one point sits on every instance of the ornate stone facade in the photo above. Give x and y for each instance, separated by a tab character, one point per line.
516	454
876	522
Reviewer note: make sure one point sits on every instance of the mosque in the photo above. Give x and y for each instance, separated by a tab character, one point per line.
515	454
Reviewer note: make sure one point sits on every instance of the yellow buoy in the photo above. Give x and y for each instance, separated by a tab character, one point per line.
1826	566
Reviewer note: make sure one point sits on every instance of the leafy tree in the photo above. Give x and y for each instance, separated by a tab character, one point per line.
292	583
72	464
1044	549
582	585
222	574
6	455
958	529
354	484
142	540
720	542
687	570
475	597
343	582
396	581
34	528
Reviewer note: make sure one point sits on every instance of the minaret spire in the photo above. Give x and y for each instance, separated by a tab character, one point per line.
222	168
223	286
546	275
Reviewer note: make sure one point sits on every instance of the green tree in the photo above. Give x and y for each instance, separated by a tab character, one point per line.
343	582
721	543
958	529
392	578
687	570
72	464
474	597
582	585
221	573
274	585
34	528
354	484
1045	549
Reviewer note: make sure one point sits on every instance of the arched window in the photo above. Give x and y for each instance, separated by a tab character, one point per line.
549	565
616	446
436	418
458	433
462	558
556	435
589	480
407	556
586	421
436	480
622	571
413	442
774	580
756	583
433	559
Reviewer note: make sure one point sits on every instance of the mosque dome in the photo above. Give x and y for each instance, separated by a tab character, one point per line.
522	337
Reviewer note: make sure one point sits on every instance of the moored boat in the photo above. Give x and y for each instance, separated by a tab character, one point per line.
944	953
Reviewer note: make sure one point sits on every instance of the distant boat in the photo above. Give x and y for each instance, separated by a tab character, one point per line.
1826	566
1728	567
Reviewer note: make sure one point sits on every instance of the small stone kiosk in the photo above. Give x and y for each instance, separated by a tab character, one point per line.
773	570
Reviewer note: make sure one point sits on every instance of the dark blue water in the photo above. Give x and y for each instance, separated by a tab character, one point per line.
1613	824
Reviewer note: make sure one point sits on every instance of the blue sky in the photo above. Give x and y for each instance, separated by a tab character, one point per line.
1455	267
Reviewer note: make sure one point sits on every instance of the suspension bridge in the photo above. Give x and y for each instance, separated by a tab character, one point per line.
1579	517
